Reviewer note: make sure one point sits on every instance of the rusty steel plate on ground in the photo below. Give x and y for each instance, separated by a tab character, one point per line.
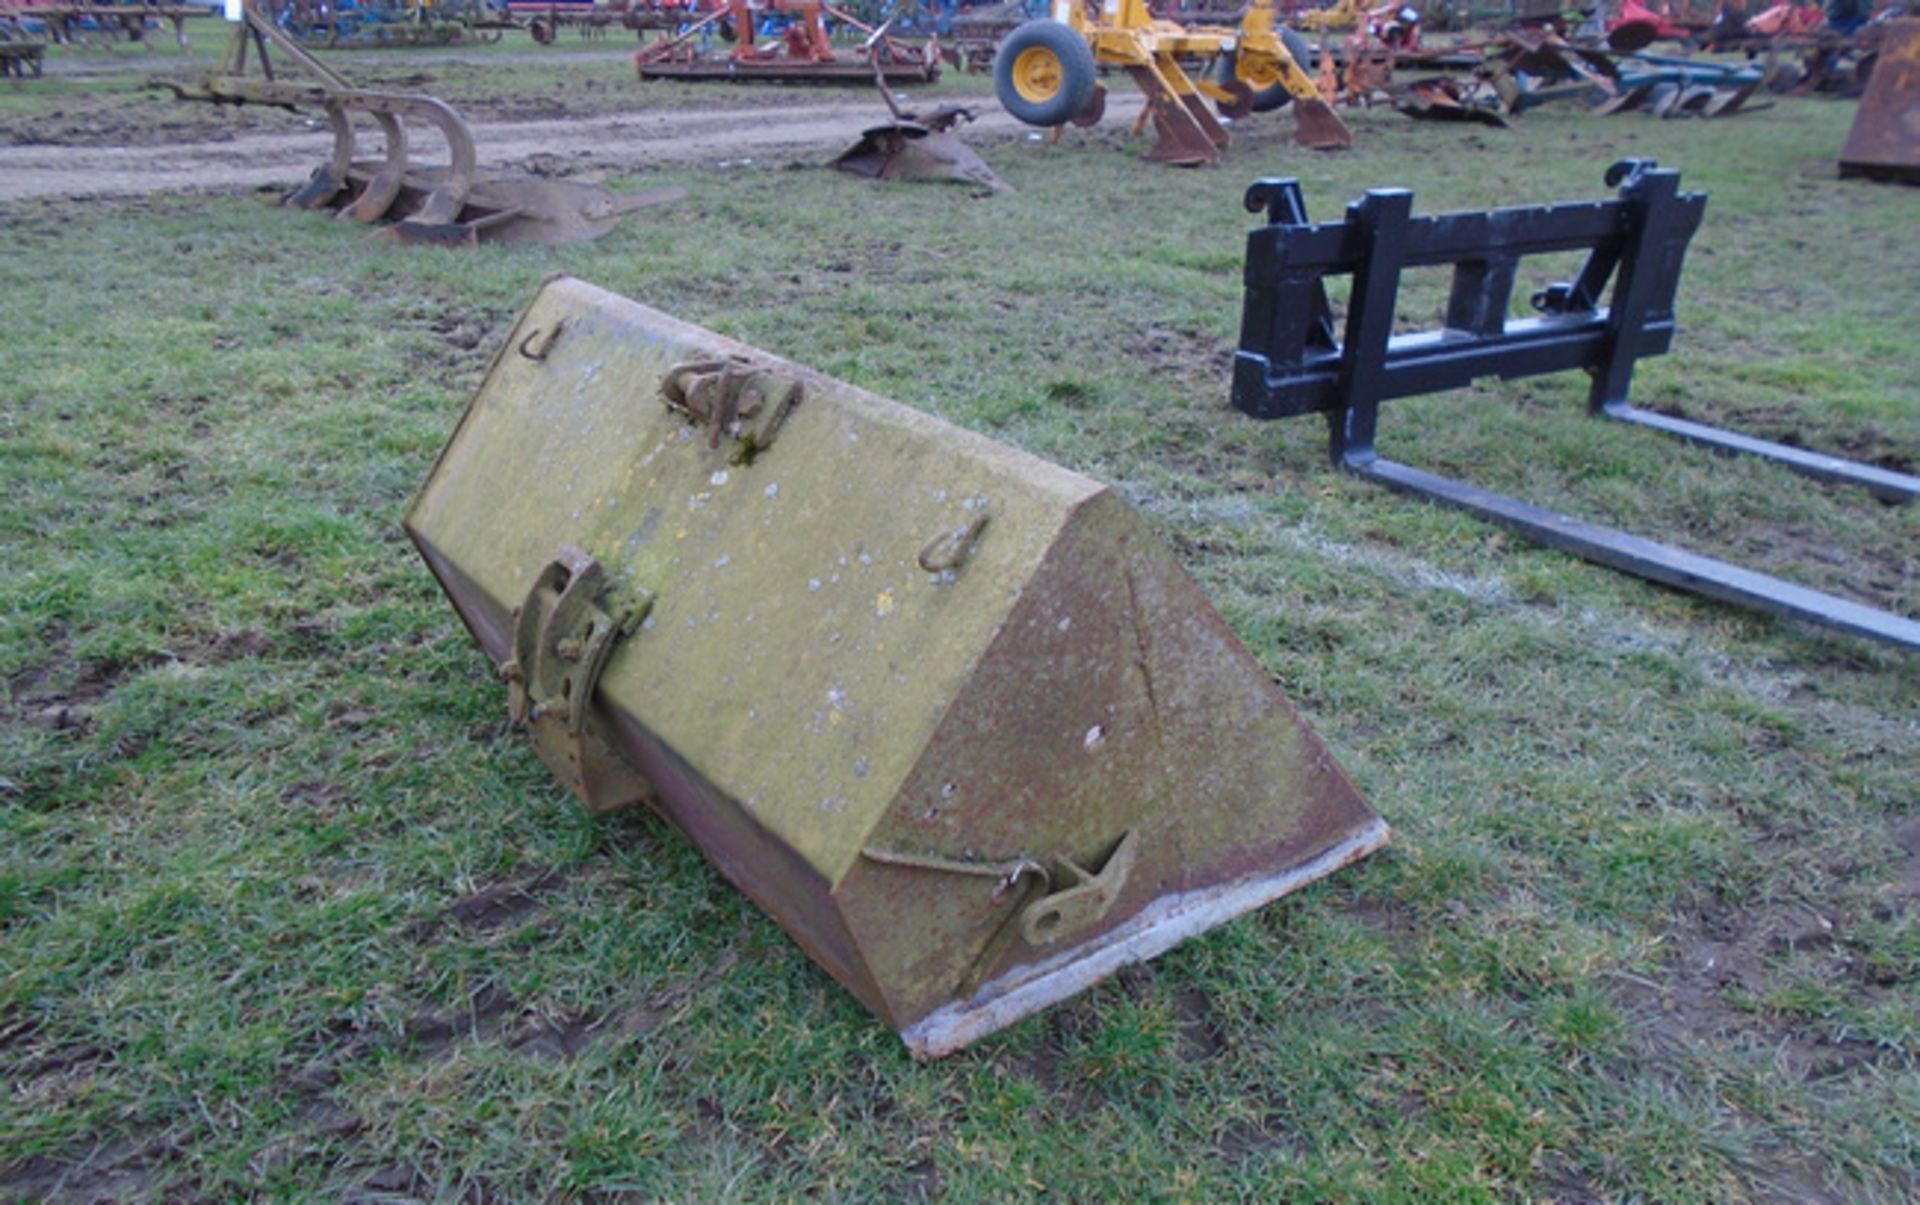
1885	139
953	715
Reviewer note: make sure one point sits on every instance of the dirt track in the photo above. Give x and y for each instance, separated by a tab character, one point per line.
811	128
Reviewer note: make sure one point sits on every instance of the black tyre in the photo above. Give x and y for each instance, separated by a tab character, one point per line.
1044	73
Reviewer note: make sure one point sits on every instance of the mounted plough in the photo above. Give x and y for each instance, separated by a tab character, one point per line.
1046	73
1293	359
456	204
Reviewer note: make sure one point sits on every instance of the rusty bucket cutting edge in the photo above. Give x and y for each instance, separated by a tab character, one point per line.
952	715
1157	928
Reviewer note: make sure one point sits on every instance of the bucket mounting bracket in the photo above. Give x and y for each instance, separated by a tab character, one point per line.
563	634
737	399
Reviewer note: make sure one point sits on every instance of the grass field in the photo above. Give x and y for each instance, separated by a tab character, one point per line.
288	909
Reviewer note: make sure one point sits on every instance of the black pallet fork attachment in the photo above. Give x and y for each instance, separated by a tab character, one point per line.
1290	360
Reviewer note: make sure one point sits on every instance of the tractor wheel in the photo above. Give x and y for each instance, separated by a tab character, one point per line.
1044	73
1269	93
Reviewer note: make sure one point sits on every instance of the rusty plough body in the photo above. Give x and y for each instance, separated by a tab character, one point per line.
451	204
915	146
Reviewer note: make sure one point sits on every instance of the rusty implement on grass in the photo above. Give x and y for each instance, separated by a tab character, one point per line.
1444	99
454	203
953	715
1884	141
915	147
803	54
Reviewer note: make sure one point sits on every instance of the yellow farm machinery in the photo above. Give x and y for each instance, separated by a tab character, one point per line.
1046	73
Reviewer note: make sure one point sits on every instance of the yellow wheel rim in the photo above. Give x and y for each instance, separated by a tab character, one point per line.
1036	75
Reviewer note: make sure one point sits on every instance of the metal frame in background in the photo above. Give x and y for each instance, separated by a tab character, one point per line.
1291	361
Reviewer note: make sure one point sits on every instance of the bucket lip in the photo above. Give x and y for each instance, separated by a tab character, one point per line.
1155	929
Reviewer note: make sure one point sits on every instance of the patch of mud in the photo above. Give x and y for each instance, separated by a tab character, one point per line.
494	907
1906	879
218	648
1185	357
1200	1032
801	129
35	695
37	1065
1243	1141
121	1170
1720	964
41	1070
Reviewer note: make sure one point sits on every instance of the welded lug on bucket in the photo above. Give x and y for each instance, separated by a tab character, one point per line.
1884	142
951	714
563	633
735	400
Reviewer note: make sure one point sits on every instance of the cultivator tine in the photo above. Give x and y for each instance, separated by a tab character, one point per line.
380	192
444	204
1185	135
1317	127
329	179
1203	117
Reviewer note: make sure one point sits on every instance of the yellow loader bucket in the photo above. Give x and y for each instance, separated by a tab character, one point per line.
951	714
